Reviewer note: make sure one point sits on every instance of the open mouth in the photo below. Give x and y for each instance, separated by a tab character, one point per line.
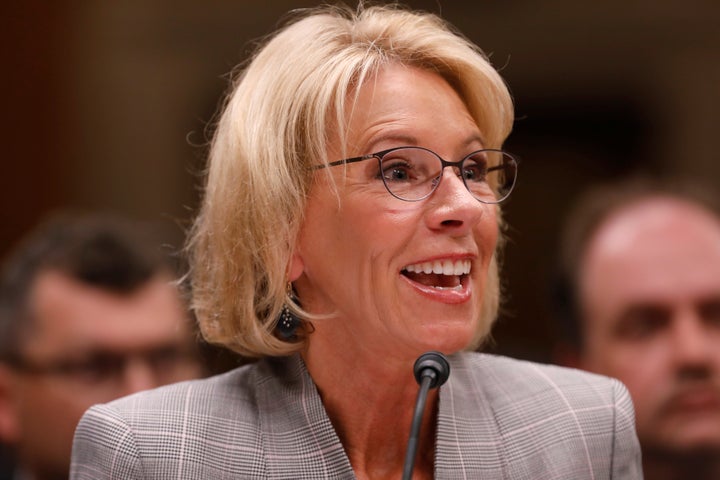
439	274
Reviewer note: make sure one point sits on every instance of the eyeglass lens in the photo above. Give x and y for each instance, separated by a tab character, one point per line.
104	367
413	173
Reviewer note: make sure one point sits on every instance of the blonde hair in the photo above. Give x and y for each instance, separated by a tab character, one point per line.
275	125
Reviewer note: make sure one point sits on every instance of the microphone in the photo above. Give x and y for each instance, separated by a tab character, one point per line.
431	370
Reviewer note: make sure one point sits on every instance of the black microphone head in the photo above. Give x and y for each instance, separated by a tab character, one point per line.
434	365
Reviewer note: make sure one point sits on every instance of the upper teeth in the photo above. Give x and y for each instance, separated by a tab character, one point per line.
441	267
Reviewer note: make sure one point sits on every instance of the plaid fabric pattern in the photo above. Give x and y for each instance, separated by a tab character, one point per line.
499	418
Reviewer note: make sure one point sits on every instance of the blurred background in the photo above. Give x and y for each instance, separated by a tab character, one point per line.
106	105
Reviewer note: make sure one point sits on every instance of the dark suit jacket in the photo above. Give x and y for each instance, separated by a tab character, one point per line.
499	418
7	465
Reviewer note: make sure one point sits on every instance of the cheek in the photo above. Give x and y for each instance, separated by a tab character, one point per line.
338	237
55	410
318	227
487	233
648	387
639	367
362	224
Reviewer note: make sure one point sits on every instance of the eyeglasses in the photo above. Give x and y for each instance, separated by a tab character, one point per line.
98	368
413	173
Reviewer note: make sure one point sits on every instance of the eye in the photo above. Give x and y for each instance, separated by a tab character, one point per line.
95	369
643	322
710	312
474	168
397	172
400	166
166	358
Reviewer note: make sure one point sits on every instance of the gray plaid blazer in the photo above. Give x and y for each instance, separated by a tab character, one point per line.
499	418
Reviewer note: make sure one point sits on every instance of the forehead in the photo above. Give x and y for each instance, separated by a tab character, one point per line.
405	101
69	314
659	249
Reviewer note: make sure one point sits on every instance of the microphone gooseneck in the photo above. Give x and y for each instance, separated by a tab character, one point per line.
431	370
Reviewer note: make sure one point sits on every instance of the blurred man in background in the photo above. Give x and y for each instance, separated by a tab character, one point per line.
88	313
640	291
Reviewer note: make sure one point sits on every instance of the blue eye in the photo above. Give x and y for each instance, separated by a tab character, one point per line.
474	169
397	171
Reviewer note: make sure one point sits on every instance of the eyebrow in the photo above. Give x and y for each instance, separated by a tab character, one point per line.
403	139
411	140
644	307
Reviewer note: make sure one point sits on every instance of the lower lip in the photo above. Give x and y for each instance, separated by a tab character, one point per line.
448	296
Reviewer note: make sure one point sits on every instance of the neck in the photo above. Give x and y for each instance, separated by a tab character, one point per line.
370	403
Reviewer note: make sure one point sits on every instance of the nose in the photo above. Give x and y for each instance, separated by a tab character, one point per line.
692	342
453	207
138	375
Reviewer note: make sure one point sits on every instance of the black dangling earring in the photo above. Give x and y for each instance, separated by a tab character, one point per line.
288	323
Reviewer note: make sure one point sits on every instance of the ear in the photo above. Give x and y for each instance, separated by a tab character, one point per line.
295	267
9	429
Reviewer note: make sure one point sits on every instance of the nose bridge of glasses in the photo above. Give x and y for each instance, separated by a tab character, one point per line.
139	374
452	179
435	174
447	163
455	177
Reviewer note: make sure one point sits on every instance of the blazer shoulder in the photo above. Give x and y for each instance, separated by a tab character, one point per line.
215	419
547	415
210	395
522	378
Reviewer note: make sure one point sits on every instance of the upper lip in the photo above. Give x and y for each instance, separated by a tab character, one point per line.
696	398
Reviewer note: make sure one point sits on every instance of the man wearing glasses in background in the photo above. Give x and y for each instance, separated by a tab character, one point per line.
88	313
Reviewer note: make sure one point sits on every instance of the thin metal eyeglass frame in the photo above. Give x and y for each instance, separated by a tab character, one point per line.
444	163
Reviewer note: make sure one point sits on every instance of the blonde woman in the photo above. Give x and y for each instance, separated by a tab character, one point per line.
350	224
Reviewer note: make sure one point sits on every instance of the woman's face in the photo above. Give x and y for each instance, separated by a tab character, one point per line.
361	251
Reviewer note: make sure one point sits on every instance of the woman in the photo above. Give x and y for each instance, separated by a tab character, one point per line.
350	223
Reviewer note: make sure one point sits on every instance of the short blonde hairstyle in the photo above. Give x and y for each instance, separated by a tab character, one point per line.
275	126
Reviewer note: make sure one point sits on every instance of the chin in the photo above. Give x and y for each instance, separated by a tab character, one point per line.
691	439
448	339
699	440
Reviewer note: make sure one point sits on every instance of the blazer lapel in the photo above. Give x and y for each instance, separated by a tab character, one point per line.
469	440
298	438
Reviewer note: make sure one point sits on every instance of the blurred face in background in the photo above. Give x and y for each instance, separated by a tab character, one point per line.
650	297
88	346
